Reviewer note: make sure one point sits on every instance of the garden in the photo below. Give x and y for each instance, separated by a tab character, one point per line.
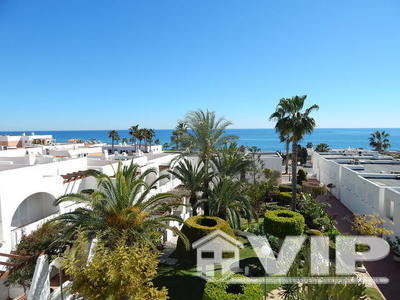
229	190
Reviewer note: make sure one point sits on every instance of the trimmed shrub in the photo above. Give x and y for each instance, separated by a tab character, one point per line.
285	198
288	188
273	206
301	176
195	228
221	290
281	223
314	189
314	232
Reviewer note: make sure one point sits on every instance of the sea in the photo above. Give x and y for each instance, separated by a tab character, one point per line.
265	139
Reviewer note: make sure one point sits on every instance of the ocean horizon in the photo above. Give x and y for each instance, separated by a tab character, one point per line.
264	138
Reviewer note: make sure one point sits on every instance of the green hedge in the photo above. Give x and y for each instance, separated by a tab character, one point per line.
314	189
195	228
285	198
288	188
314	232
281	223
220	290
301	176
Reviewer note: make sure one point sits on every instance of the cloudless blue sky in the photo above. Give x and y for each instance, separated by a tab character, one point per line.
94	64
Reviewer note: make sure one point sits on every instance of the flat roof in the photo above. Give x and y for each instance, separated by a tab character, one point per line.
385	182
380	168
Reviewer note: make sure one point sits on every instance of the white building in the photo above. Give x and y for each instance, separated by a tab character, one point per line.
31	179
271	160
364	181
22	141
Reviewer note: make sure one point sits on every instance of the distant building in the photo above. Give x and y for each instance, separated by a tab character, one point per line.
23	141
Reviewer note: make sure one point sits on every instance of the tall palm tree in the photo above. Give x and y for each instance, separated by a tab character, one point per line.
227	202
293	120
283	137
205	137
286	140
191	175
178	133
379	140
124	204
114	136
230	161
132	132
149	135
141	135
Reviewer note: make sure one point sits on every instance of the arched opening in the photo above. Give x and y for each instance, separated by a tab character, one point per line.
35	207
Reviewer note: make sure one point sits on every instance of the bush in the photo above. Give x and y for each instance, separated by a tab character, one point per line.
371	225
126	272
273	206
314	189
195	228
273	175
314	232
301	176
285	198
281	223
221	290
46	239
314	214
288	188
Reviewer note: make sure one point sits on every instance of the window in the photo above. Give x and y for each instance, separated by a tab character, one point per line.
207	254
227	254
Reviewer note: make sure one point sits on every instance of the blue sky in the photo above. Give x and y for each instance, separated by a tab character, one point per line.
96	64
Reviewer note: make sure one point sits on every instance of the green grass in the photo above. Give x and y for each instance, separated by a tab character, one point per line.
182	282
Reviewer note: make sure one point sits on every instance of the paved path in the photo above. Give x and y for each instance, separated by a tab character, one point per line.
382	268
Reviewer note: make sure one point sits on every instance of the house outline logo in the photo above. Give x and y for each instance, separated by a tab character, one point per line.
217	249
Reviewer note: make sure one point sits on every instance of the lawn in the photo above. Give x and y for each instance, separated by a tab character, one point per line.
182	282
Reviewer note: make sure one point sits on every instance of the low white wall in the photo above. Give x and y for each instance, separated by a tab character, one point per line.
272	162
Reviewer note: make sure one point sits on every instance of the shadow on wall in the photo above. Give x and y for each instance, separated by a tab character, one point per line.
35	207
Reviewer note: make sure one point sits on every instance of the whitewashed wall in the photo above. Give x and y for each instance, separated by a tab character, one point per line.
357	193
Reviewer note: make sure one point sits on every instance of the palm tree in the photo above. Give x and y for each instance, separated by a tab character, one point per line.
286	139
379	140
141	135
149	135
114	136
291	119
205	137
191	175
322	148
283	137
124	140
227	202
165	146
121	205
178	133
230	161
132	132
